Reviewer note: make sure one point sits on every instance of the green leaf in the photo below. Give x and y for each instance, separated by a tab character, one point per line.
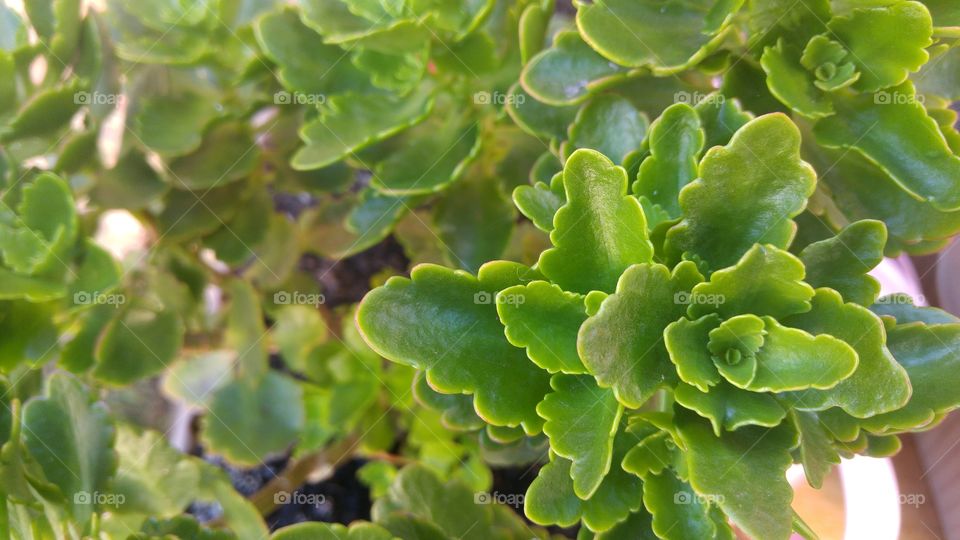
194	380
544	319
247	422
744	471
720	118
297	331
174	125
941	75
599	232
474	222
137	343
152	477
609	124
71	438
98	274
668	38
351	122
652	455
398	73
451	506
245	330
534	23
432	156
460	340
791	83
131	184
638	526
581	421
228	153
568	71
893	130
765	281
358	530
931	357
678	512
816	449
540	202
749	190
686	342
283	38
622	345
676	141
538	118
843	262
44	113
886	43
900	307
550	499
729	408
792	359
456	409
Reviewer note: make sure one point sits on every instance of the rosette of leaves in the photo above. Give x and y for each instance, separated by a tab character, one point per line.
678	366
869	83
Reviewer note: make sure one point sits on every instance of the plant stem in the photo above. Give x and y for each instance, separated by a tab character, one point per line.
946	32
299	470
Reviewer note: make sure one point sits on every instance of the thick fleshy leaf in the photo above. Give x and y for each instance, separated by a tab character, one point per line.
550	499
474	222
744	471
622	345
609	124
792	84
686	342
44	113
886	43
900	306
862	190
456	409
565	73
283	38
746	194
816	449
137	343
843	262
893	130
174	125
71	438
228	153
766	281
678	512
540	202
581	420
652	455
544	319
153	477
931	357
720	118
248	421
537	118
638	526
676	141
351	122
445	322
534	23
452	507
792	359
332	531
729	408
879	384
599	232
667	38
432	155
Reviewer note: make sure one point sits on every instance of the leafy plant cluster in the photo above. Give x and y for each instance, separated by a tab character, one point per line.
676	310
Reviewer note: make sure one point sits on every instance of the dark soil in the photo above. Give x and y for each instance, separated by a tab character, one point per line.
345	281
